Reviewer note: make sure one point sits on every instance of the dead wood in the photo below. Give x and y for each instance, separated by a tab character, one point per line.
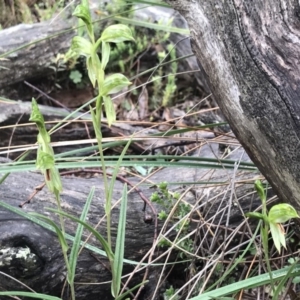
33	51
47	274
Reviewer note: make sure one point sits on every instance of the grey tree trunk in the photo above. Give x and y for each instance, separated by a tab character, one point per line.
250	53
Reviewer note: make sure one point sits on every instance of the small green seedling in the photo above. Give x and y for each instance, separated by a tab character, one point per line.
278	214
273	220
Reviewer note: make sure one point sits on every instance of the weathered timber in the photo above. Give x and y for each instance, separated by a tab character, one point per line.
18	113
250	53
33	49
14	139
48	273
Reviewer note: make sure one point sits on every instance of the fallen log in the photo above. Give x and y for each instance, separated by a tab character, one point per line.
31	50
47	273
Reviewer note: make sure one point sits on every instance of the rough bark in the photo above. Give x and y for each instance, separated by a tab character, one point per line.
250	53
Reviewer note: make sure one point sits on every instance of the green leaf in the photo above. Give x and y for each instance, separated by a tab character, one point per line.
254	215
83	12
81	46
91	71
282	213
97	235
114	84
114	176
105	54
120	244
110	110
29	294
75	76
76	244
252	282
117	33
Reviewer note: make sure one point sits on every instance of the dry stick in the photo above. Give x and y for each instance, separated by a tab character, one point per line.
18	281
12	134
120	178
36	190
44	94
147	269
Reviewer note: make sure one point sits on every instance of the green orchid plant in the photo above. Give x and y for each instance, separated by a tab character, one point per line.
278	214
106	86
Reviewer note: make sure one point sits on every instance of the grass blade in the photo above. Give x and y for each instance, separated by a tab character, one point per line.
30	295
120	245
252	282
98	236
76	244
58	231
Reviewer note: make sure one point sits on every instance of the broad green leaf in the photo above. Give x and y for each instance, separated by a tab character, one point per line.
91	72
117	33
281	213
105	54
114	84
110	110
120	245
81	46
83	12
